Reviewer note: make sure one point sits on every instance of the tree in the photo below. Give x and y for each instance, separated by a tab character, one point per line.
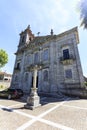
3	58
83	13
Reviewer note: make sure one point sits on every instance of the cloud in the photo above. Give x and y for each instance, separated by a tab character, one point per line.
41	15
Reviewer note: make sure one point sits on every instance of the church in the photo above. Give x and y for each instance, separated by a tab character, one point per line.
58	57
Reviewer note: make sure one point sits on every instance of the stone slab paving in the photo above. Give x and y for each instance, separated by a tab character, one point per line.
7	102
79	103
10	120
36	111
41	126
70	117
55	115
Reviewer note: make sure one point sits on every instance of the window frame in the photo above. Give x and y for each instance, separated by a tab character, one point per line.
47	79
66	54
68	74
37	59
45	57
18	65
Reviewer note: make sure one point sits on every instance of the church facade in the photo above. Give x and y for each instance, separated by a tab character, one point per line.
58	57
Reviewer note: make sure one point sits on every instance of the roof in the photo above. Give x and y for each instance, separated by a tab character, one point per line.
6	74
43	39
39	40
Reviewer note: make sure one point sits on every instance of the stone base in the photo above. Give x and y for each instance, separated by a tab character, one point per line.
76	92
27	106
33	100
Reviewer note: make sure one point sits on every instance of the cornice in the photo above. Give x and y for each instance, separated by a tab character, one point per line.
40	40
73	30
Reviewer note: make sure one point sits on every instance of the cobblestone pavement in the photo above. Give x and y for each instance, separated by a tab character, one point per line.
54	114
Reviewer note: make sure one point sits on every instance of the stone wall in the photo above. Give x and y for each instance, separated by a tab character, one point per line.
57	80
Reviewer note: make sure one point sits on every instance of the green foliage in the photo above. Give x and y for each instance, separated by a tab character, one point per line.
83	13
86	83
2	87
3	58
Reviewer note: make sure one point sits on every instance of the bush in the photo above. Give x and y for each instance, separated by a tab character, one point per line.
86	83
1	86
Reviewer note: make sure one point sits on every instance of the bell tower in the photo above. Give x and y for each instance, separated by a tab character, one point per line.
26	36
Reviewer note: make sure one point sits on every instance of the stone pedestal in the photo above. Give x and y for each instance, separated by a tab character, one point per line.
33	100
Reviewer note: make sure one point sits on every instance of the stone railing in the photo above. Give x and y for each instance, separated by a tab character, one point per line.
17	69
68	60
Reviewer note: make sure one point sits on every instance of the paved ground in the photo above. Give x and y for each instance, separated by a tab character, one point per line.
54	114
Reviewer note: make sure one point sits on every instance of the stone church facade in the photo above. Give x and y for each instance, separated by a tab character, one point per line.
58	57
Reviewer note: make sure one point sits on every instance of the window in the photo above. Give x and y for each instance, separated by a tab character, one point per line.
15	78
6	79
36	57
45	54
18	65
68	73
66	54
1	77
45	75
30	38
23	38
29	59
26	77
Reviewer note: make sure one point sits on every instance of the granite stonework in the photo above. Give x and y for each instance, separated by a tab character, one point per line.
33	99
58	57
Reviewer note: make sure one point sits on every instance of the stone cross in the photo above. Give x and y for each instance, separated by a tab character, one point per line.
35	70
35	77
33	100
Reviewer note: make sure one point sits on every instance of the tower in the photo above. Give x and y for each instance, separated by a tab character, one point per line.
25	37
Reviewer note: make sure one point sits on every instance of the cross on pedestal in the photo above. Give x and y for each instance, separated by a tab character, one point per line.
33	100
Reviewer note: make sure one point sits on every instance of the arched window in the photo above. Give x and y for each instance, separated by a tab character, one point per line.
45	75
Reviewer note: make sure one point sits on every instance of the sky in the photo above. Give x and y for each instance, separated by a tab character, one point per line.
42	16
